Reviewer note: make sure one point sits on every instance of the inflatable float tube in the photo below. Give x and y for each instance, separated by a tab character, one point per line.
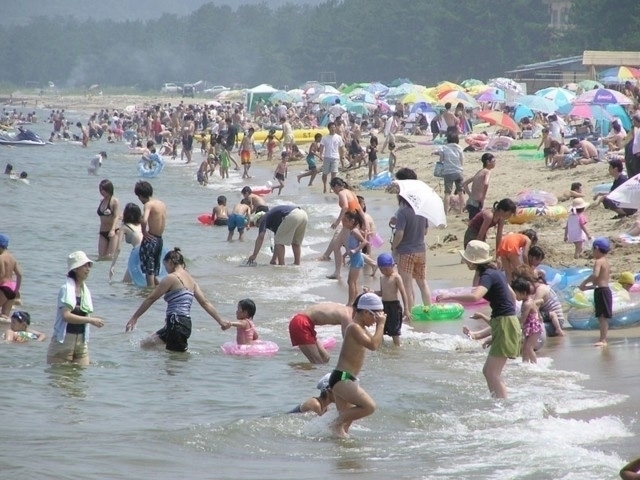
135	269
563	278
205	219
581	299
536	196
526	214
456	291
152	167
327	342
381	180
262	189
305	135
477	140
500	143
524	155
624	316
437	311
256	349
602	188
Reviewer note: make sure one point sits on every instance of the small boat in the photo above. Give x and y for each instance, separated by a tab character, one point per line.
22	137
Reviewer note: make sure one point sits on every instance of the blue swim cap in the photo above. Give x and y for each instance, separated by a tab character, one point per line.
602	244
4	241
385	260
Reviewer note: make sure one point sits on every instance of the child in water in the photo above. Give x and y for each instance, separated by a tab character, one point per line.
312	168
19	331
281	172
529	318
352	221
245	331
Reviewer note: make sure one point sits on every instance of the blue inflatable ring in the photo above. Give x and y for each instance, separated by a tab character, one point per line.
135	269
151	168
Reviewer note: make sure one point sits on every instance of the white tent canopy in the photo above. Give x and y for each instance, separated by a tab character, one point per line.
260	91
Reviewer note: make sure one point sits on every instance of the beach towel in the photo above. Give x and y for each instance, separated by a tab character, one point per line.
69	296
629	239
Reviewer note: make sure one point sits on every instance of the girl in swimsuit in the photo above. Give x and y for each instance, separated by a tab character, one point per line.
108	213
131	232
529	318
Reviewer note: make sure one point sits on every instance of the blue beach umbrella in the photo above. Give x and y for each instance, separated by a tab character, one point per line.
536	103
521	111
559	96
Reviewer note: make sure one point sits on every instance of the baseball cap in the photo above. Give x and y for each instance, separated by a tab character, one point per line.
4	241
370	301
602	244
385	260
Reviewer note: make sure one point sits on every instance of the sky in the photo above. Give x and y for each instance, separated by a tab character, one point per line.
118	10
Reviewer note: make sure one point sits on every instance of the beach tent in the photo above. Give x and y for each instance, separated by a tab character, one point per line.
255	94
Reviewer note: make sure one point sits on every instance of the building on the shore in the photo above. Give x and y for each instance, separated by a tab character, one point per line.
552	73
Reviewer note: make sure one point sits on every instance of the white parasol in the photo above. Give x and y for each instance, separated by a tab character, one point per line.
627	195
424	201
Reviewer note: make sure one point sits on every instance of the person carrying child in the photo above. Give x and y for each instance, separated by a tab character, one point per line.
575	230
281	172
392	286
239	219
599	281
245	330
529	318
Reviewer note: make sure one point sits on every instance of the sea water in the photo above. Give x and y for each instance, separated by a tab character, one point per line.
204	415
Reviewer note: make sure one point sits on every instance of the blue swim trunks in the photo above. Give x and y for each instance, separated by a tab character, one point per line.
236	221
150	253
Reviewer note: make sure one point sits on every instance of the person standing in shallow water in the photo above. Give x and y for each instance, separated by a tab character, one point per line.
108	214
179	289
154	219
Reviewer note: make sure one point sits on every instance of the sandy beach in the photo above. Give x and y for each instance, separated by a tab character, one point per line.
512	175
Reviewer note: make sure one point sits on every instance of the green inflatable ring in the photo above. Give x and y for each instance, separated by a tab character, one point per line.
437	312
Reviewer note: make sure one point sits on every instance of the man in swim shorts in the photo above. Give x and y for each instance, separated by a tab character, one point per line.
9	287
154	220
352	401
302	328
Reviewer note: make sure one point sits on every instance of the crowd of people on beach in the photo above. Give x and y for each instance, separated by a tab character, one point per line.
521	302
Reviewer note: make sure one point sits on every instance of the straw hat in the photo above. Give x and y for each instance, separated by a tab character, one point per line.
477	252
579	203
77	259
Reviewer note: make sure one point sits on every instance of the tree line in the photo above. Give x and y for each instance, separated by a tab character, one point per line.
359	40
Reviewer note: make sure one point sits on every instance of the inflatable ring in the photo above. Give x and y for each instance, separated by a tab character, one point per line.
135	269
561	279
437	311
526	214
328	342
538	196
500	143
383	179
584	299
602	188
624	315
456	291
205	219
151	168
255	349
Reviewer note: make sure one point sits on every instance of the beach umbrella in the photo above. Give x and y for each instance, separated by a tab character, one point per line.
415	97
592	112
280	96
498	118
297	94
491	95
377	89
559	96
459	96
589	85
383	106
364	97
521	111
627	195
423	107
471	82
444	87
572	87
424	201
330	98
356	107
538	104
618	111
400	81
506	84
352	87
619	75
603	96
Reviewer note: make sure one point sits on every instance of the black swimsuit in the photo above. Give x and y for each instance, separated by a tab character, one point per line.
105	213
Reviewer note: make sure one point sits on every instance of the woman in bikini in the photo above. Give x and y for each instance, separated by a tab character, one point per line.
108	213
